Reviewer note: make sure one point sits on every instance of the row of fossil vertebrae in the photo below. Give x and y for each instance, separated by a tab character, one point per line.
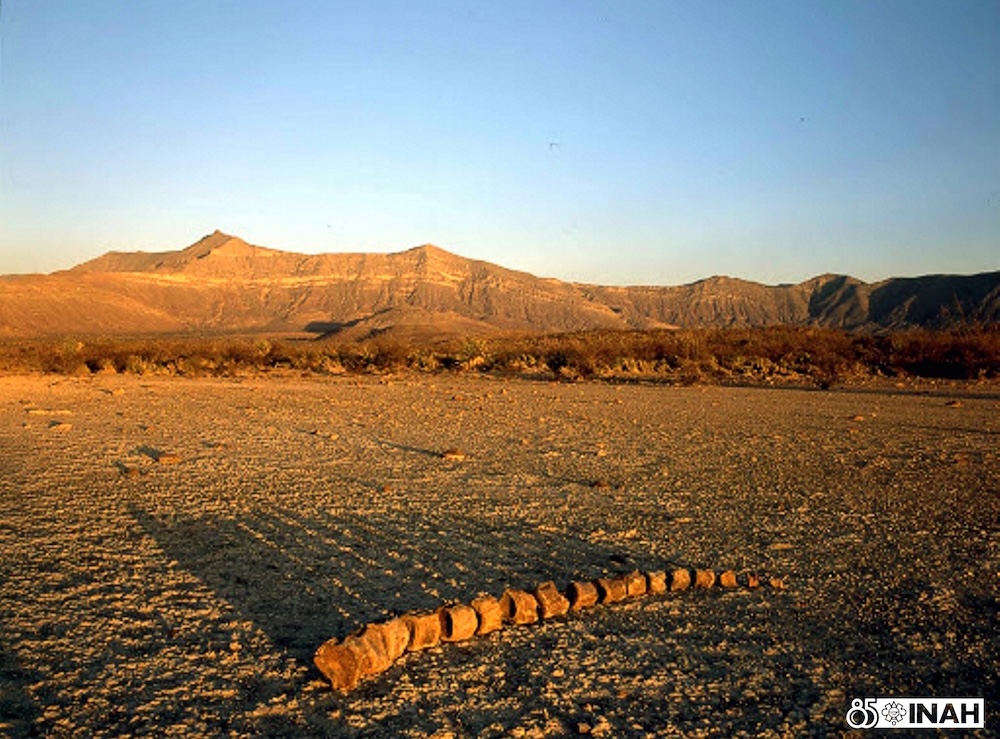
373	649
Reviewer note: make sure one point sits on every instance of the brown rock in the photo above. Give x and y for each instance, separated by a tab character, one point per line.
518	607
373	651
339	664
459	622
656	582
611	590
490	614
397	638
753	580
777	583
581	595
456	455
424	629
635	584
168	458
680	579
704	578
551	602
728	579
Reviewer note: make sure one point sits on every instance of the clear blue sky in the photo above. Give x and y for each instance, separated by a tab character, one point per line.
618	142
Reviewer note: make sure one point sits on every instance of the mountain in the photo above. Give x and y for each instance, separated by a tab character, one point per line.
221	284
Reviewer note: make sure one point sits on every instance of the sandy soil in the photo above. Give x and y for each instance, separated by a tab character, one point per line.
175	550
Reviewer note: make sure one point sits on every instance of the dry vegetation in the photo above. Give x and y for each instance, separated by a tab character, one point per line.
730	356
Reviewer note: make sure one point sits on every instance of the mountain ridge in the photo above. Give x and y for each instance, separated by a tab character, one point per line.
221	284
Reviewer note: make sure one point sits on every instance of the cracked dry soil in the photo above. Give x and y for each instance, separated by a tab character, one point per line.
174	551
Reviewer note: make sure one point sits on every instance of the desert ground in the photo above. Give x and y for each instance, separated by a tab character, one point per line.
175	550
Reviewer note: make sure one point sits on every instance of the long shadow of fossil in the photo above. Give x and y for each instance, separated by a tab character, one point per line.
304	578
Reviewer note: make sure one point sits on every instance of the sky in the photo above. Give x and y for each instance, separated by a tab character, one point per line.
613	142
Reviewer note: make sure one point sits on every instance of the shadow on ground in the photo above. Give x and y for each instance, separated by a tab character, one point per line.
302	579
18	710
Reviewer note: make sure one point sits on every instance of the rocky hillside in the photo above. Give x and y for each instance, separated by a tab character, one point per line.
221	284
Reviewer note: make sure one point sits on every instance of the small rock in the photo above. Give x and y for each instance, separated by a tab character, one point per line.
857	418
459	622
680	579
656	582
581	595
60	426
635	584
339	662
551	602
424	630
519	607
954	404
611	590
168	458
728	579
455	455
490	614
704	578
602	727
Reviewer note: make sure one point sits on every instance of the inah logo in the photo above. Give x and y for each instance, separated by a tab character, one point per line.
917	713
893	712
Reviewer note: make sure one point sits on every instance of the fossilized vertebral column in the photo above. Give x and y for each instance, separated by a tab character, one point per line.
374	648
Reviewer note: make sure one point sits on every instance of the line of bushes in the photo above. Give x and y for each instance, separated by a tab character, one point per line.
772	354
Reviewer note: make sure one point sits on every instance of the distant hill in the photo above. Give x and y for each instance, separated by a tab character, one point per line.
221	284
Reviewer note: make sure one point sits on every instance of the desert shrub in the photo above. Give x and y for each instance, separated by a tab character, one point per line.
391	353
825	356
961	354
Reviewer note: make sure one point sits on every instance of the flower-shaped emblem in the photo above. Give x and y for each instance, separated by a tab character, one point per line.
893	712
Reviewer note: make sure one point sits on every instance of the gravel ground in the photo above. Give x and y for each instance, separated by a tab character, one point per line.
174	550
